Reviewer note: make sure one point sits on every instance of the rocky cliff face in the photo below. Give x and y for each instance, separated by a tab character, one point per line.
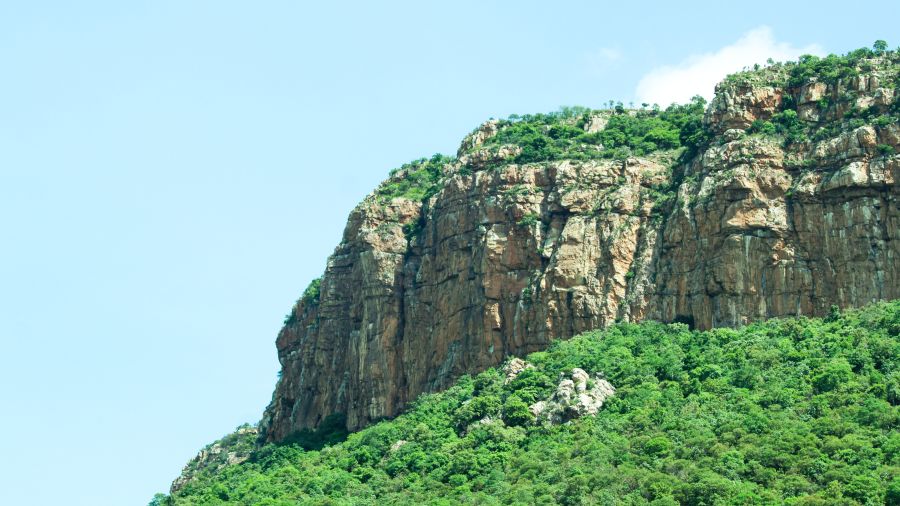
506	257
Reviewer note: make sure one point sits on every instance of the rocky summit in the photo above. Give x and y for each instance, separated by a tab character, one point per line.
779	198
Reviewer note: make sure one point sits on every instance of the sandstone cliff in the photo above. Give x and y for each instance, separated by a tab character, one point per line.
501	257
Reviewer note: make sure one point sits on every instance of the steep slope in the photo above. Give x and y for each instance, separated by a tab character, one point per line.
783	201
794	411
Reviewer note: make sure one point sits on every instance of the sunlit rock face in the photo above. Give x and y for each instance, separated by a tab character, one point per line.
760	231
501	261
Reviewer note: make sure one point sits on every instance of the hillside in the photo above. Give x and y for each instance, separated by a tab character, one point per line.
790	411
779	198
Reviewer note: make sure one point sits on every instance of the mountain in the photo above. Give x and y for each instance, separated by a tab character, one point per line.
778	199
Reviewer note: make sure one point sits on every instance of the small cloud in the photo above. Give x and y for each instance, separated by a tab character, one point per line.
601	59
698	74
609	53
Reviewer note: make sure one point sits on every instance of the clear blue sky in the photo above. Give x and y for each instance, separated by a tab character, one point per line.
173	173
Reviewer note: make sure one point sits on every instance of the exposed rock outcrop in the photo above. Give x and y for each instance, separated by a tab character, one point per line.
501	261
228	451
576	396
513	367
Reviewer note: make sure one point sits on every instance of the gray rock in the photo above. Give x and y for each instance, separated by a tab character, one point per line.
575	397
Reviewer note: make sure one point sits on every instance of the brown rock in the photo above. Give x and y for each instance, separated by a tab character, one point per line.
509	259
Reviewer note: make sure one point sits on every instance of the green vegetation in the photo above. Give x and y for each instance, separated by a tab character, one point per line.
240	442
763	127
788	124
331	431
883	121
790	411
412	229
562	135
520	189
558	136
422	179
648	131
785	123
310	296
831	70
528	220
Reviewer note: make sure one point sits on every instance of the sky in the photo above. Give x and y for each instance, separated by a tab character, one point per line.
174	173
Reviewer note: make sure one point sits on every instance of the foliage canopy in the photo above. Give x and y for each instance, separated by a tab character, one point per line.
790	411
562	135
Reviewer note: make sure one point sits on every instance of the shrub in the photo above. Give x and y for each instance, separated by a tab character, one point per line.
422	179
829	69
883	121
332	430
310	297
855	123
548	137
832	375
311	294
788	124
763	127
528	220
516	412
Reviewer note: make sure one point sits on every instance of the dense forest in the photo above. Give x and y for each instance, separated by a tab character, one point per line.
789	411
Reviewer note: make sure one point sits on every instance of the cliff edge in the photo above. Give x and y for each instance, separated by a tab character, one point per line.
778	198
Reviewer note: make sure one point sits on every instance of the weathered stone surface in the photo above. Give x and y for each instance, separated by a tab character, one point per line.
739	106
512	368
596	123
508	259
475	139
231	450
575	397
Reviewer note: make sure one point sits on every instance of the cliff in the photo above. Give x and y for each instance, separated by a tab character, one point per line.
783	201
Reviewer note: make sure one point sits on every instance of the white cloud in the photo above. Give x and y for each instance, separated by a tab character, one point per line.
698	74
603	58
609	53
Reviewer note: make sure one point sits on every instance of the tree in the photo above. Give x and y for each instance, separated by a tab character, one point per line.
160	500
880	46
516	412
892	495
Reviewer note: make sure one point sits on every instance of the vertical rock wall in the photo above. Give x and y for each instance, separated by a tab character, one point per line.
505	260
